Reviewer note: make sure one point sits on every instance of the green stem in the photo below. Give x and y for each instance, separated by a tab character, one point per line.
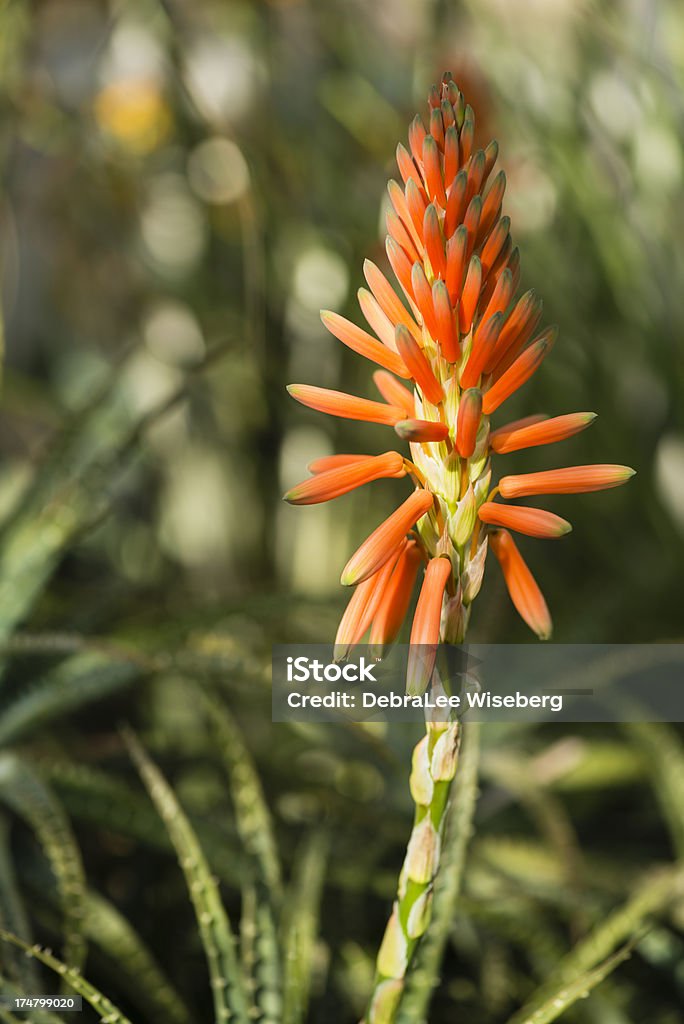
433	769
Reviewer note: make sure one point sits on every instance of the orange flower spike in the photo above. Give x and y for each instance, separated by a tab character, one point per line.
434	243
393	392
361	342
383	541
457	257
494	244
398	200
433	171
423	295
388	300
421	431
363	605
470	296
446	323
348	407
519	372
572	480
535	522
522	586
518	327
451	156
326	462
418	366
416	135
426	623
456	204
484	340
376	318
335	482
524	434
468	421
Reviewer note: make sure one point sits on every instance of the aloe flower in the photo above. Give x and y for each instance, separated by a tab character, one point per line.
463	344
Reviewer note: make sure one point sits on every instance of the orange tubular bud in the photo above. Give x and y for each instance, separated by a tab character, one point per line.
457	250
471	293
475	175
398	200
406	165
418	366
433	171
535	522
332	483
446	323
434	243
522	586
484	340
327	462
360	341
383	542
416	201
468	421
400	236
502	294
393	392
437	126
388	300
467	134
456	204
421	430
451	155
396	598
363	605
495	244
416	135
572	480
348	407
401	265
491	206
490	154
376	318
472	221
519	372
423	295
526	434
518	327
426	623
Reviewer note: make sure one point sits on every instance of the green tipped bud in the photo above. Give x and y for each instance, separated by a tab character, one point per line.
393	954
422	854
420	781
462	521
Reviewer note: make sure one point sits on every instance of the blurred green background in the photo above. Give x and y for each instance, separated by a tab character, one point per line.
183	186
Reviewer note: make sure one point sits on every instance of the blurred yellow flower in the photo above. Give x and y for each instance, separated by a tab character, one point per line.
135	113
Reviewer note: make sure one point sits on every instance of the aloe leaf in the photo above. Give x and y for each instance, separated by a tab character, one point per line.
216	934
564	997
302	910
31	799
78	680
13	914
70	976
423	973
